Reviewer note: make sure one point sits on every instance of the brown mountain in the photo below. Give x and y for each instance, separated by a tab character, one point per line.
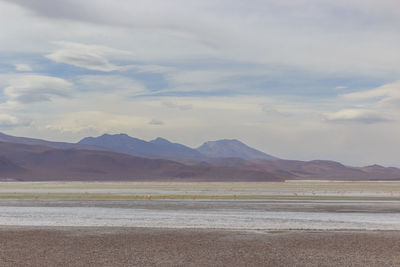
34	159
40	142
157	148
32	162
312	170
231	149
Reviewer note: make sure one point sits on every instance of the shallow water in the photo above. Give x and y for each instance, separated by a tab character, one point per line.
187	218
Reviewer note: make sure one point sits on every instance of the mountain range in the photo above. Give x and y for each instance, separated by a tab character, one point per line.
121	157
157	148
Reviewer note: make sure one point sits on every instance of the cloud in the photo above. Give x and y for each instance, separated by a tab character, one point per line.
22	67
273	111
156	122
152	68
340	87
9	122
110	83
385	96
95	122
208	80
174	105
36	88
266	32
357	115
92	57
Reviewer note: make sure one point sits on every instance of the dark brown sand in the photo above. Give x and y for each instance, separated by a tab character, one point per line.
28	246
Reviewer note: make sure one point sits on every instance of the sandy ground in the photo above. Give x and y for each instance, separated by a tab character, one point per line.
28	246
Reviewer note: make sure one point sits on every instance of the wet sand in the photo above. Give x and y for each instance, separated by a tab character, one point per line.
71	246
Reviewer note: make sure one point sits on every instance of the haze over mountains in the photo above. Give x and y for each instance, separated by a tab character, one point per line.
33	141
121	157
157	148
231	149
162	148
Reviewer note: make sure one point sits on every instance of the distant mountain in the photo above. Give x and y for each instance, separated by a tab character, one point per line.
175	150
158	148
312	170
35	163
231	149
33	141
121	157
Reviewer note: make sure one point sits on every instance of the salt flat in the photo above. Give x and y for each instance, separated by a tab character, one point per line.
218	214
357	205
107	224
220	219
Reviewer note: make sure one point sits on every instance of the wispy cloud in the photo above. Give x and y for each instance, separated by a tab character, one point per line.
175	105
156	122
385	94
23	67
110	83
274	110
91	57
9	122
357	116
36	88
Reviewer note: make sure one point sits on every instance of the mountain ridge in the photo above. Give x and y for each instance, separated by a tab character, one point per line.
27	158
231	148
161	147
157	148
25	162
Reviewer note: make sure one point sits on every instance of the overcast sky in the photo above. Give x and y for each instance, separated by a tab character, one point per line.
298	79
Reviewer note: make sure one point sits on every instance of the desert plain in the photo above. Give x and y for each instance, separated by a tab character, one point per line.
297	223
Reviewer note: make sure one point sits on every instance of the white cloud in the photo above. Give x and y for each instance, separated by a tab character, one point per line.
156	122
110	83
324	37
91	57
8	121
23	67
199	77
357	115
151	68
95	121
175	105
36	88
272	111
385	94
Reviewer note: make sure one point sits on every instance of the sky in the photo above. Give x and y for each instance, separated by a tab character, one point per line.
298	79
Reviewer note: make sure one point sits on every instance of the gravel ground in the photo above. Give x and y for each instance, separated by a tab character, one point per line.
91	246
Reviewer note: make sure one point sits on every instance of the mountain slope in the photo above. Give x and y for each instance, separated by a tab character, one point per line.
228	160
158	148
175	150
35	163
312	170
231	149
40	142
